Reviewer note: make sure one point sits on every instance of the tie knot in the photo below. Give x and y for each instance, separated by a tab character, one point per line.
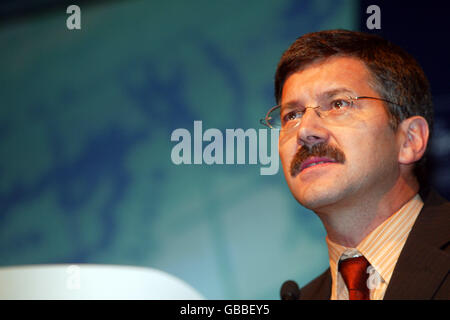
354	273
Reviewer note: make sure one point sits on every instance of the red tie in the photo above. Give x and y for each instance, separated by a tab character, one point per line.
354	272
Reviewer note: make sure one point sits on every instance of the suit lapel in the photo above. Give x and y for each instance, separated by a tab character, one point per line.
422	265
324	293
318	289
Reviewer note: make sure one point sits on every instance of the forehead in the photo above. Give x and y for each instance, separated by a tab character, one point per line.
325	75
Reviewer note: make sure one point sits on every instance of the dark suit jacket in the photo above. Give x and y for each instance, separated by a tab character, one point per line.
422	269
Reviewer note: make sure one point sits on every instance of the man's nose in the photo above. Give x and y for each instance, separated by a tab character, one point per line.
311	130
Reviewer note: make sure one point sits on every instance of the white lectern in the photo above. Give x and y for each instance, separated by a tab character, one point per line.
91	282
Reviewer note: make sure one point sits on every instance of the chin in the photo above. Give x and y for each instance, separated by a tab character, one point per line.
317	201
316	197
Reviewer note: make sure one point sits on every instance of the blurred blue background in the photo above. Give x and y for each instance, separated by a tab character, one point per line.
85	126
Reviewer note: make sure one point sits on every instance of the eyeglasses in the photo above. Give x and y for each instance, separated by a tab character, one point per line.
286	117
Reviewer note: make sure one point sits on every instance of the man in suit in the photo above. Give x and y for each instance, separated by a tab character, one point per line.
355	116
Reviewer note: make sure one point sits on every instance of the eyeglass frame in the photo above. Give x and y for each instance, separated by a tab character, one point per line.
266	123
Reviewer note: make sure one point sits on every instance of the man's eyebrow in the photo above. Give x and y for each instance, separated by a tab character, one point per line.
323	95
289	105
334	92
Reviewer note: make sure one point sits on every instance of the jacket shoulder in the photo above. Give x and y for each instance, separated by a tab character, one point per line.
422	269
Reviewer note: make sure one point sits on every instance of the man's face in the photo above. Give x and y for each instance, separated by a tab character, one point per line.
360	151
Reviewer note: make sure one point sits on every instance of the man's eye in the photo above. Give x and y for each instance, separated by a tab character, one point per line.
291	116
339	104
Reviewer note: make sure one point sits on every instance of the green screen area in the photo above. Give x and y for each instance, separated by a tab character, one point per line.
86	123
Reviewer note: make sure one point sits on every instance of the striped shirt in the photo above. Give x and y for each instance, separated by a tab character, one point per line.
381	248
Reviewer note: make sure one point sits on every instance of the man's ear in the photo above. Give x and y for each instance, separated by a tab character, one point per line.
412	137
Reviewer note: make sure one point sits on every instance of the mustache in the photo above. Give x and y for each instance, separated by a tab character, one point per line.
317	150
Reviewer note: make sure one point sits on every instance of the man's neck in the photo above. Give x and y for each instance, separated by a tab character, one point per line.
348	225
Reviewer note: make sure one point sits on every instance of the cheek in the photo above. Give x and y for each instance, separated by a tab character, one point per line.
373	147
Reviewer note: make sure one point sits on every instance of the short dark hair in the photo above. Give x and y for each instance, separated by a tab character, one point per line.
396	75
